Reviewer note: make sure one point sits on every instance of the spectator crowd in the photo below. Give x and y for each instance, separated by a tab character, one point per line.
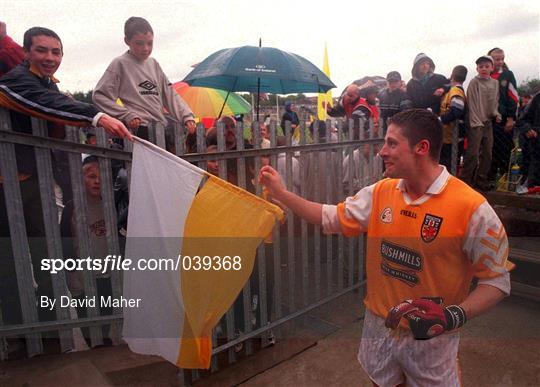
483	127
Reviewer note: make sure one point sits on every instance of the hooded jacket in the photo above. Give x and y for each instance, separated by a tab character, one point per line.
289	115
420	89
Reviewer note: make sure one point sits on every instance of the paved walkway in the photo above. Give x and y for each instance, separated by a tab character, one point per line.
501	348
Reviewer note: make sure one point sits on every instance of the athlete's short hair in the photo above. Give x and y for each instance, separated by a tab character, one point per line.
420	124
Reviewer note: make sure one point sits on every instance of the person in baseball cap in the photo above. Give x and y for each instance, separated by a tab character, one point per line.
393	76
484	59
393	99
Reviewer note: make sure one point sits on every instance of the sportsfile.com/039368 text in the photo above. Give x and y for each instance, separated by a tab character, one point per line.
114	262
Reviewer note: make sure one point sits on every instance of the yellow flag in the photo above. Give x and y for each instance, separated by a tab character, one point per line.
324	99
205	236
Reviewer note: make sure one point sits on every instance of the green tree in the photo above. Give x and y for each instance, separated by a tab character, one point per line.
83	96
271	101
529	86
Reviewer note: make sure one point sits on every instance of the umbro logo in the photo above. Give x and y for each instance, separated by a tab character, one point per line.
147	85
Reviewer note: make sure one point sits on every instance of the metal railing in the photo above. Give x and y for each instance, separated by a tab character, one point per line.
300	270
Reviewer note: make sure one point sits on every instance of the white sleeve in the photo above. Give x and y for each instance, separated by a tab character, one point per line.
357	208
330	220
501	282
486	245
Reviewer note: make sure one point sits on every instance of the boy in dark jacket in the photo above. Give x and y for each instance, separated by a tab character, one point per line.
426	88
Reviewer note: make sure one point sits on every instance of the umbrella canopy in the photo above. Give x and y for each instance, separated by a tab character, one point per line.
206	102
259	69
368	82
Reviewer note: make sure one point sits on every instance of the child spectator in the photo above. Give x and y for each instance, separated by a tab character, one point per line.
483	99
98	244
452	111
212	166
503	132
139	82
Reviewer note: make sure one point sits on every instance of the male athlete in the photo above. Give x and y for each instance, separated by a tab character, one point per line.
429	234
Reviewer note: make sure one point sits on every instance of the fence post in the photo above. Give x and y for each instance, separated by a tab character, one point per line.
52	228
111	225
19	241
81	229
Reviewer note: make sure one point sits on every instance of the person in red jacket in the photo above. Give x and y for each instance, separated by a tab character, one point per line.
353	105
11	54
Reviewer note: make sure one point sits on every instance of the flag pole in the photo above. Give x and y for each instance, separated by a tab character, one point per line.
259	88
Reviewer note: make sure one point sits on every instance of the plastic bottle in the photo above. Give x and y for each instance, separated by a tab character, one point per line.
519	156
514	173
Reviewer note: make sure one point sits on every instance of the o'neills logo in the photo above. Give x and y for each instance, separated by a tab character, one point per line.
430	228
386	215
401	256
409	278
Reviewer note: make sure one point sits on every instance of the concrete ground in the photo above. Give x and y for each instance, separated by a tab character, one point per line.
501	348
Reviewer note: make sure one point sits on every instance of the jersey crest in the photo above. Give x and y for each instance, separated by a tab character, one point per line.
430	228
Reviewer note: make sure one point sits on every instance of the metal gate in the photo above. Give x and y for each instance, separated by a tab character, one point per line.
300	270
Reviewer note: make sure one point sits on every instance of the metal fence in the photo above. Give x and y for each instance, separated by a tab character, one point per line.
301	270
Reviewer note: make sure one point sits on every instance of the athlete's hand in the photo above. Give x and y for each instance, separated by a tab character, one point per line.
271	180
426	317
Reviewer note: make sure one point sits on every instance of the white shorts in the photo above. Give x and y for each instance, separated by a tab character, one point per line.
393	357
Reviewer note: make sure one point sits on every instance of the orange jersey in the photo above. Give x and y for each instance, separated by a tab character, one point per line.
431	247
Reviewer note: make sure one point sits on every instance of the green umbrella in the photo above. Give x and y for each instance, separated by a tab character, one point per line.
259	69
